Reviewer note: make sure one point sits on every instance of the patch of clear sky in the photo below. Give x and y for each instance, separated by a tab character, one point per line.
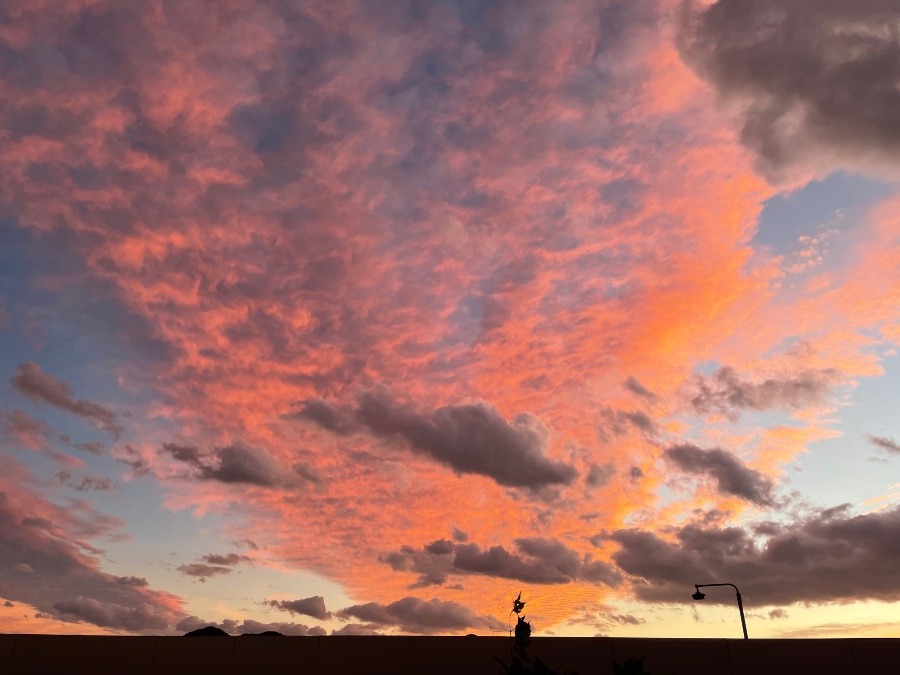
789	215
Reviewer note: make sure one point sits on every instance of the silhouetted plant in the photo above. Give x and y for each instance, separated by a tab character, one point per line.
521	663
632	666
522	633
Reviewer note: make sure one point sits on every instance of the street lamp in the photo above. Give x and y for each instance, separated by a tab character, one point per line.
699	596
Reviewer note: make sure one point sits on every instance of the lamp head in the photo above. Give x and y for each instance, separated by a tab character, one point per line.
698	595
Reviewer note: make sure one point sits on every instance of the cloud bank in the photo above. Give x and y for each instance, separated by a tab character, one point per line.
539	561
47	568
37	385
831	556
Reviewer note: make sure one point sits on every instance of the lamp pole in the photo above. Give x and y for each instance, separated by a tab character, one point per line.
699	596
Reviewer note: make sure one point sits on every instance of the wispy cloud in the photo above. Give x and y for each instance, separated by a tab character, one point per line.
212	565
885	443
50	569
727	393
37	385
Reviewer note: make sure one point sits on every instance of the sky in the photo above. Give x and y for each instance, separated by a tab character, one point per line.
346	317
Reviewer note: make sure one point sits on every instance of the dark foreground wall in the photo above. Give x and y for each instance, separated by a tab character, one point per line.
346	655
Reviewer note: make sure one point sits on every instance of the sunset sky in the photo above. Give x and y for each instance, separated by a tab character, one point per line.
341	316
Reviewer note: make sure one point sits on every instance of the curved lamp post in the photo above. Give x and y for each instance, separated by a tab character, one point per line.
699	596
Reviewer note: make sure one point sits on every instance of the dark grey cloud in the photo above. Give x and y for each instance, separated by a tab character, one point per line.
95	483
102	43
131	458
731	475
815	77
233	627
636	387
617	422
212	565
203	571
539	560
728	394
433	567
885	443
185	453
313	606
35	119
34	383
192	622
284	627
241	464
458	534
413	615
43	566
624	197
235	463
22	430
308	473
497	561
111	615
357	629
626	619
42	523
327	416
468	438
229	559
831	556
92	447
18	430
600	474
